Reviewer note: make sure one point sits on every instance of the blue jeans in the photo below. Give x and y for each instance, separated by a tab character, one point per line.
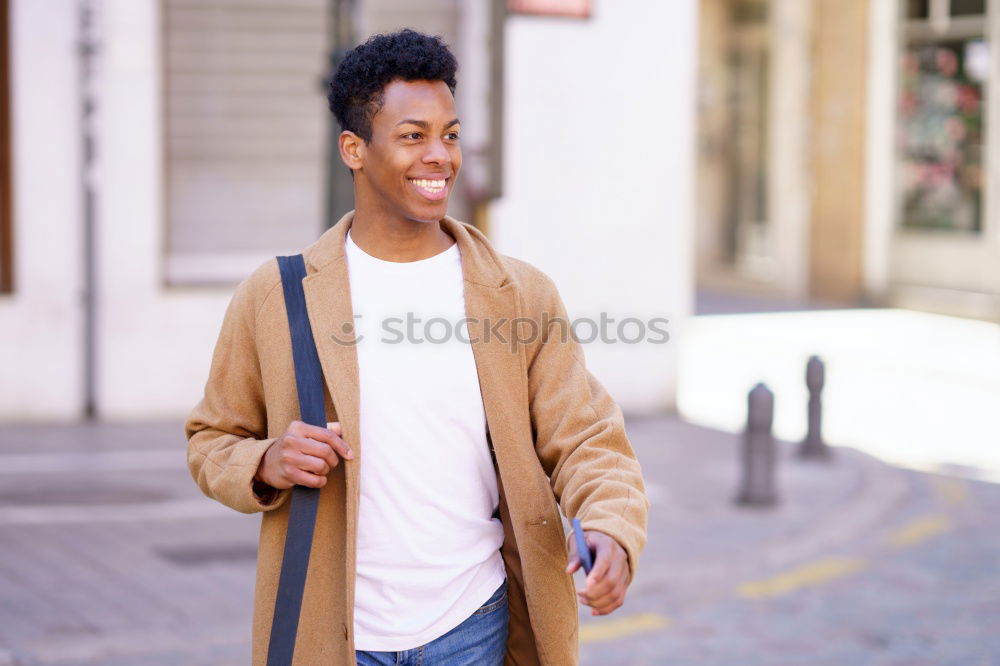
479	641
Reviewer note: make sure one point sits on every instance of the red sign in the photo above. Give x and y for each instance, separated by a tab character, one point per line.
572	8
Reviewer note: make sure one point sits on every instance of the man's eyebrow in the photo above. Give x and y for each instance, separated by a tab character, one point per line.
423	124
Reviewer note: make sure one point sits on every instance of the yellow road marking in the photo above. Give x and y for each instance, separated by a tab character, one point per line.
810	574
608	630
950	490
919	530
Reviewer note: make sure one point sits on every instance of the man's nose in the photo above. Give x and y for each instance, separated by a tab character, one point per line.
437	152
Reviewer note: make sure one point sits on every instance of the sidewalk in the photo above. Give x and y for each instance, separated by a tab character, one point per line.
916	389
702	544
113	556
862	563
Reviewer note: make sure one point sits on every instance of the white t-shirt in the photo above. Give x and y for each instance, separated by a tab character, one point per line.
428	545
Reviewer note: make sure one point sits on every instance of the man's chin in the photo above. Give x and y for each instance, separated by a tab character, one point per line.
429	217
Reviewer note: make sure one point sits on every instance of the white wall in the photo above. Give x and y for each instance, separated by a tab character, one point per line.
598	176
40	323
155	342
880	146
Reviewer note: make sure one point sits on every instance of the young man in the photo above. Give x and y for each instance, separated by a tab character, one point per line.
438	538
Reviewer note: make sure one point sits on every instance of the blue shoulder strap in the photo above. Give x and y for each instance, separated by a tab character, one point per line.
305	501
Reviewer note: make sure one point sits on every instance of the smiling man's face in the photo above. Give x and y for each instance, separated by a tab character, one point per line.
408	169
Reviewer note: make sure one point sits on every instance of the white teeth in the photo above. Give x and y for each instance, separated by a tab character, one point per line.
429	185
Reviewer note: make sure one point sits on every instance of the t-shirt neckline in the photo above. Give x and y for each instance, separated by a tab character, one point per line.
441	258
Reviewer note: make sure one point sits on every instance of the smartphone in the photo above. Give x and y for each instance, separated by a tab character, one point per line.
582	549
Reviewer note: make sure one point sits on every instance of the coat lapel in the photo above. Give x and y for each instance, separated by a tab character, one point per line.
498	362
490	302
490	306
328	301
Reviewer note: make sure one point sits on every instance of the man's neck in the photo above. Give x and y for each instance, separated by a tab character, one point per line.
400	240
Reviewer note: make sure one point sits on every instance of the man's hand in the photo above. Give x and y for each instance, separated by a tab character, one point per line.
609	577
303	456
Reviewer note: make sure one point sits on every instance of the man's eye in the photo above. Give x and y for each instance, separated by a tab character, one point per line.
412	135
453	136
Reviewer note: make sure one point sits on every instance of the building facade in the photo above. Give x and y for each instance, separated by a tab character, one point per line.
844	152
161	149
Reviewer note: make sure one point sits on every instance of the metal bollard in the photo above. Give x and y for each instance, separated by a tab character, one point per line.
813	447
758	450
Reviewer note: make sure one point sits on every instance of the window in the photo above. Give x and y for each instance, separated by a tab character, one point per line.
922	9
246	127
918	9
944	69
967	8
6	209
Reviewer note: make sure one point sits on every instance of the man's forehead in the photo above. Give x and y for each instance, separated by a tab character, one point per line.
414	99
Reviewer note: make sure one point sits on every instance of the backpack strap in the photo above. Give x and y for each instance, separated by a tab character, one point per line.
304	500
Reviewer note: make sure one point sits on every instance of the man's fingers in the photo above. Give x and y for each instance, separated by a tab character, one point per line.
606	584
598	593
602	560
329	436
615	573
308	456
334	440
608	609
573	561
609	593
322	443
303	478
614	593
605	596
319	449
308	463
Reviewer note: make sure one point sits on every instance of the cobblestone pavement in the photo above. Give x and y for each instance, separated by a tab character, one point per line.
922	589
111	555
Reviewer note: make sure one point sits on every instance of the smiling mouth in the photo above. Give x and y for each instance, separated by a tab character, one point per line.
431	189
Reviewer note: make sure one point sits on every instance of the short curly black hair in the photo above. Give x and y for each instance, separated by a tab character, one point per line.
356	89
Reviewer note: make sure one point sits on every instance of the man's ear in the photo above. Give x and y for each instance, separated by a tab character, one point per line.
352	149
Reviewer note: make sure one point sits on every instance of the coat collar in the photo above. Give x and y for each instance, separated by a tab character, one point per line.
480	262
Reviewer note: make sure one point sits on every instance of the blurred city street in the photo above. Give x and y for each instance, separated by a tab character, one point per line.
112	556
777	180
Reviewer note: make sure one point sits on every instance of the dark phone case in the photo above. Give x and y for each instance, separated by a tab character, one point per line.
582	549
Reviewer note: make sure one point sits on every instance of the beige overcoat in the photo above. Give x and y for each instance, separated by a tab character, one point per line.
557	434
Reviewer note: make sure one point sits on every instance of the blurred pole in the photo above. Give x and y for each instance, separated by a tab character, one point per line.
87	48
812	446
758	450
6	156
341	38
480	99
498	19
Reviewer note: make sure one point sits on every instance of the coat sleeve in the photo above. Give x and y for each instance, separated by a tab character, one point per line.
227	429
580	436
